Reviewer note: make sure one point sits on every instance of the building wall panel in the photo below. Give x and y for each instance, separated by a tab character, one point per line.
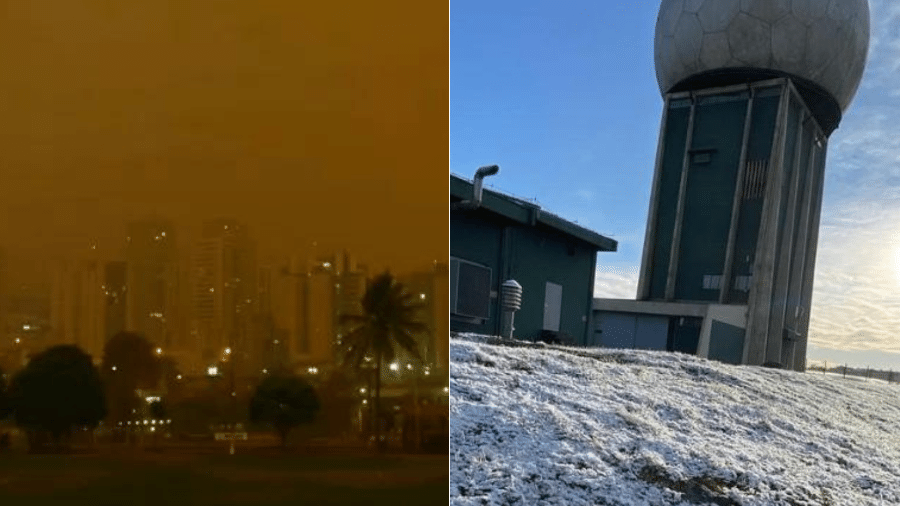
712	174
671	164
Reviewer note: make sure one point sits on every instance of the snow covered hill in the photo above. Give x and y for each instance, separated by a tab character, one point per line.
533	424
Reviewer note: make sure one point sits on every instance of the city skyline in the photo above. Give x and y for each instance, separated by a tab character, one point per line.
23	268
87	301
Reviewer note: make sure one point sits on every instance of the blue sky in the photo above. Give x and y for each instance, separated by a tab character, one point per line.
563	96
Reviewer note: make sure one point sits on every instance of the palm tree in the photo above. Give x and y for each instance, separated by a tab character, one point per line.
389	320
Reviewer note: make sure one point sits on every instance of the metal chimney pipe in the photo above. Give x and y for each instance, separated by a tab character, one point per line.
480	174
478	184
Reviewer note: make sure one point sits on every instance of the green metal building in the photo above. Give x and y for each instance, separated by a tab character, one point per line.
496	237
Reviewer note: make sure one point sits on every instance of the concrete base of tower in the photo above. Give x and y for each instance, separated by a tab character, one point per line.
713	331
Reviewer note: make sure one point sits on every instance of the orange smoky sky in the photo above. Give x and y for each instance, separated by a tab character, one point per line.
310	121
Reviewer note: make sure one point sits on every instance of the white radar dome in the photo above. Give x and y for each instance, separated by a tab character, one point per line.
824	42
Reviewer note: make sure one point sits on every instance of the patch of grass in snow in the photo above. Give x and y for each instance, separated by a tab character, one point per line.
713	490
702	490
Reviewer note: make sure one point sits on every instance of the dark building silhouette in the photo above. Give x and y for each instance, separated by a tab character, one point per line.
114	290
151	258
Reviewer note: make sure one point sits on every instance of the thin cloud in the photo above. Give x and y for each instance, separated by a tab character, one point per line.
616	282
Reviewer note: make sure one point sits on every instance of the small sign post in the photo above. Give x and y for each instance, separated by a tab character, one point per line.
231	437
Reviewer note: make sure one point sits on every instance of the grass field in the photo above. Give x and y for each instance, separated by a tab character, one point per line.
181	478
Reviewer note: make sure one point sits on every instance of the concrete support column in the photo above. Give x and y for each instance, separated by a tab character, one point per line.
801	245
817	187
675	249
764	263
784	266
643	291
736	204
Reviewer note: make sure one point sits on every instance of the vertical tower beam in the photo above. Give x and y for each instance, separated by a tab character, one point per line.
760	300
643	292
675	249
815	209
736	203
776	352
801	240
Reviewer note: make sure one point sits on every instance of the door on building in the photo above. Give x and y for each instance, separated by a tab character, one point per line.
552	306
651	332
615	330
726	342
629	330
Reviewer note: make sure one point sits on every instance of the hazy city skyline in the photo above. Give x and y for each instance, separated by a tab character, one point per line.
26	266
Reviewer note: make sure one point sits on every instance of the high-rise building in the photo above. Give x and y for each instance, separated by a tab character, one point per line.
224	290
114	290
440	301
27	325
62	307
4	294
319	312
265	279
311	295
309	310
77	305
91	305
350	283
151	258
430	289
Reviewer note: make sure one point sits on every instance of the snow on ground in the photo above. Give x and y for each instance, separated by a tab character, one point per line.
533	424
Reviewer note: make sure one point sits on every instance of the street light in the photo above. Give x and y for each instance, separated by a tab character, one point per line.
159	351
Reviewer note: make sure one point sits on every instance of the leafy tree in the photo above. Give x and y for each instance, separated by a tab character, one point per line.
284	402
129	363
389	320
59	390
